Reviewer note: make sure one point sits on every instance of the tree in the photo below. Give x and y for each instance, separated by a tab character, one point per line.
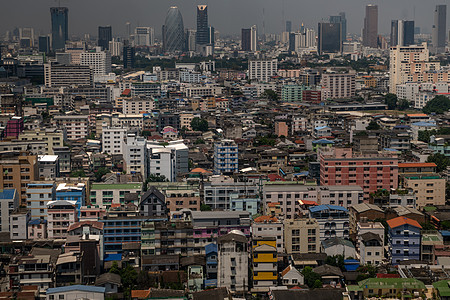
373	125
100	172
403	104
391	101
78	173
128	276
199	141
440	160
336	261
205	207
115	268
270	95
312	279
199	124
438	105
424	135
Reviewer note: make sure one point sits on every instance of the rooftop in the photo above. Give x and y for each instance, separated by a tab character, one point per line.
118	186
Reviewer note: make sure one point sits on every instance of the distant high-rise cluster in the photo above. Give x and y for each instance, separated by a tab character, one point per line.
439	29
402	33
60	27
370	30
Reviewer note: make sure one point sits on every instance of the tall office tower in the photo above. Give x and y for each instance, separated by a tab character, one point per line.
26	36
127	30
190	39
115	47
344	25
173	31
246	38
144	36
98	60
128	55
342	21
60	27
370	30
402	33
44	43
288	26
254	38
439	29
329	39
104	36
203	37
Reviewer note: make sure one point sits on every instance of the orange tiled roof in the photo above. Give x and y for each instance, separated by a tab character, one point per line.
140	294
262	219
199	170
416	165
399	221
417	115
285	271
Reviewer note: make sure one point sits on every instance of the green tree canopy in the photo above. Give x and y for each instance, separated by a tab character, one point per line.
373	125
78	173
438	104
440	160
100	172
199	124
270	95
312	279
391	101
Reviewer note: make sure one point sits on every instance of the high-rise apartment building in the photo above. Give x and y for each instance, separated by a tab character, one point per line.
249	41
60	27
410	63
173	31
144	36
439	30
370	29
115	47
226	157
301	236
402	33
98	60
112	139
338	85
135	156
104	36
329	39
128	56
72	75
203	36
262	69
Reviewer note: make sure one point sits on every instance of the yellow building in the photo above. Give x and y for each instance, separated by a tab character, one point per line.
52	137
428	188
301	236
265	258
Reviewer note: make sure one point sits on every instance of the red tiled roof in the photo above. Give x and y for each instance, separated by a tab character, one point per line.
262	219
399	221
307	202
285	271
126	92
416	165
199	170
95	224
140	294
275	177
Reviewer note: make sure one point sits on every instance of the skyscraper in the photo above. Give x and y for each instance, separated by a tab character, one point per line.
60	27
344	25
203	37
104	36
173	31
190	39
144	36
128	55
288	26
249	40
44	43
329	39
370	30
439	29
402	33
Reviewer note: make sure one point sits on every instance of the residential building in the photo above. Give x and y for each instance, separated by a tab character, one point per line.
37	229
9	202
233	261
333	221
53	138
31	270
64	157
338	85
18	170
76	291
268	226
169	160
404	239
61	214
211	265
105	195
99	61
137	105
76	126
371	249
112	139
265	263
14	127
48	166
179	199
262	70
135	155
291	277
429	189
72	192
18	221
153	204
39	194
371	172
363	212
338	246
302	236
226	157
67	75
432	241
390	287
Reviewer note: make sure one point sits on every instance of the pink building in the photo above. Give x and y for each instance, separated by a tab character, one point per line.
61	214
281	128
340	166
91	213
14	127
37	229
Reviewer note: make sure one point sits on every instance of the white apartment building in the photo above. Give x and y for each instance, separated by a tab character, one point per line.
98	60
18	221
190	76
115	47
169	160
338	85
135	155
77	126
232	269
112	139
137	105
263	69
265	226
406	60
71	75
9	201
415	91
144	36
129	121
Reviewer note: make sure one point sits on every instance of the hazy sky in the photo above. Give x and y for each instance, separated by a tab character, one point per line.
227	16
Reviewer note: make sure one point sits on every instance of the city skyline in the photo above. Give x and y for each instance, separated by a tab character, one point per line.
141	13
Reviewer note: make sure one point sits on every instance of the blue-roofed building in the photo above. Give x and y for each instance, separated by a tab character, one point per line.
421	126
72	192
333	221
9	201
321	144
322	131
76	292
37	229
211	265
